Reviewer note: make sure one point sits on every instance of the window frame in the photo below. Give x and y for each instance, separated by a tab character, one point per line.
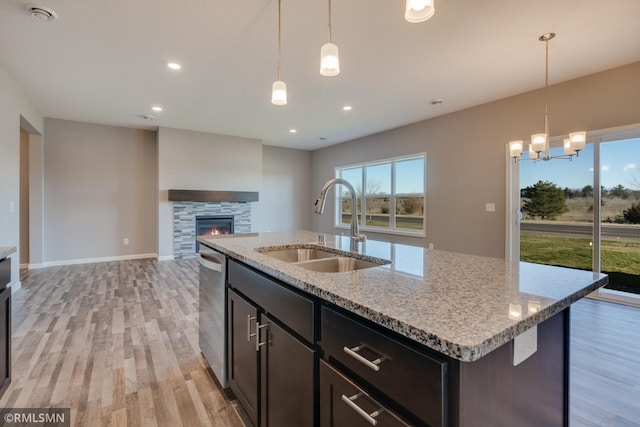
337	220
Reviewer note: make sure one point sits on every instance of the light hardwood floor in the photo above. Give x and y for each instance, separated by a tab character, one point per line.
117	343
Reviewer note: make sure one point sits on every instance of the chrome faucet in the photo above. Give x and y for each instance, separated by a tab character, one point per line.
319	208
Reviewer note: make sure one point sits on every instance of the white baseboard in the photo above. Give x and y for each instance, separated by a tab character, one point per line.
24	266
92	260
35	266
166	258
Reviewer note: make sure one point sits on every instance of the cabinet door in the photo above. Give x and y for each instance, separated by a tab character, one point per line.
5	339
343	404
287	378
243	358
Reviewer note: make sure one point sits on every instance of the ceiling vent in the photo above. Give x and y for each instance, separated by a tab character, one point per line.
41	12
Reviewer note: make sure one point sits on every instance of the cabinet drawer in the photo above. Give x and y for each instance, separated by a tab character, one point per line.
5	272
344	404
414	380
291	308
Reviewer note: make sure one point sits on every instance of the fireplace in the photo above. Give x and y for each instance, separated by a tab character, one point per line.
213	225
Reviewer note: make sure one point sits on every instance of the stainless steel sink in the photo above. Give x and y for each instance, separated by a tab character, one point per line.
338	264
298	254
314	258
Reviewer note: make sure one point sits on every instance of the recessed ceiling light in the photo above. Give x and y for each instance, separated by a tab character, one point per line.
41	13
156	108
174	65
293	130
347	108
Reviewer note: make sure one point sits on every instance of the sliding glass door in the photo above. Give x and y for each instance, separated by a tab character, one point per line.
620	214
583	213
556	201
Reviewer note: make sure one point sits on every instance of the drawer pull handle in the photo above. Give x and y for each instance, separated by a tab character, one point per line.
371	418
353	352
258	343
249	334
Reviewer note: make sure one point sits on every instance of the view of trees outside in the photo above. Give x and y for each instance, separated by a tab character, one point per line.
557	207
382	185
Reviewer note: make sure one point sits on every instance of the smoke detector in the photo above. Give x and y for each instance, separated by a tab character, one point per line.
42	13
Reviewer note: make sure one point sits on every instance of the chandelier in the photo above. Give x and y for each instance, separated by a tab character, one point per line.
539	145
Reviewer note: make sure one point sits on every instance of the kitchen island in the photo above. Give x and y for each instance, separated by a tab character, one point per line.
460	312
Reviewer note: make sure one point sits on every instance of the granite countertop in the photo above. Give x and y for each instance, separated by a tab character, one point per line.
464	306
5	251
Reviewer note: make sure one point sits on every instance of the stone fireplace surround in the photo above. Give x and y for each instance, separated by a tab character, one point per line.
229	203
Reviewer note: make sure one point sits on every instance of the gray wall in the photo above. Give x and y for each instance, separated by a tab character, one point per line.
14	104
286	197
466	154
189	160
100	187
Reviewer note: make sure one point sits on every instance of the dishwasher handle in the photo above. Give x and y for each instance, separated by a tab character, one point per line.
211	262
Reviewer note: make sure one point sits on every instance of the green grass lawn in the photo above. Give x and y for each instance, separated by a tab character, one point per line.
621	260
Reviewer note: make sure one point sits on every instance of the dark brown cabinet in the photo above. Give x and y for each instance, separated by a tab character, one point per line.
5	339
271	366
287	378
342	403
5	324
413	380
243	358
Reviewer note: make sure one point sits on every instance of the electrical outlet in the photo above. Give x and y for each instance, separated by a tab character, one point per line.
490	207
125	241
524	345
430	245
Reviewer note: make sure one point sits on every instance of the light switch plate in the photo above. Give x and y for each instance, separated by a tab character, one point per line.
490	207
524	345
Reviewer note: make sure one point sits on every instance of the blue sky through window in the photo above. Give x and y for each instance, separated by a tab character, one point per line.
620	163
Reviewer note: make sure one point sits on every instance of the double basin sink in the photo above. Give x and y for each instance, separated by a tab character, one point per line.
321	259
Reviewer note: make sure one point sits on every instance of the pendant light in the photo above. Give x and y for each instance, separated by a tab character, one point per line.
329	58
419	10
539	146
279	88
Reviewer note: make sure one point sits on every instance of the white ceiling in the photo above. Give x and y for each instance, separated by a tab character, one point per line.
105	61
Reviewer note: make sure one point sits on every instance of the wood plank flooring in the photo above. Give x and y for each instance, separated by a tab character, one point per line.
605	364
117	343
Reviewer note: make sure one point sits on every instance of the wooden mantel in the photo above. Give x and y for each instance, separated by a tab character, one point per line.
212	196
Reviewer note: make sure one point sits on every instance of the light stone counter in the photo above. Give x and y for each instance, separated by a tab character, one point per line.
460	305
5	251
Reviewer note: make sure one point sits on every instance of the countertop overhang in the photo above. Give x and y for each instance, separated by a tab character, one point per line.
5	251
464	306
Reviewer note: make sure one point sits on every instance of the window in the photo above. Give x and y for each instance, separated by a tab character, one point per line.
390	195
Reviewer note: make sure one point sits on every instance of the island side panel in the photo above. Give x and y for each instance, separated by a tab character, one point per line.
494	393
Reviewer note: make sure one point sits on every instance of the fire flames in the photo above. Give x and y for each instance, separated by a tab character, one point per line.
215	232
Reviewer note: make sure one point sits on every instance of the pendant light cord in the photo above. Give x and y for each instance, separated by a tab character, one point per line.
329	29
546	91
279	40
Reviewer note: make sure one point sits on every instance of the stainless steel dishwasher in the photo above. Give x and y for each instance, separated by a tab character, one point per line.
212	312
